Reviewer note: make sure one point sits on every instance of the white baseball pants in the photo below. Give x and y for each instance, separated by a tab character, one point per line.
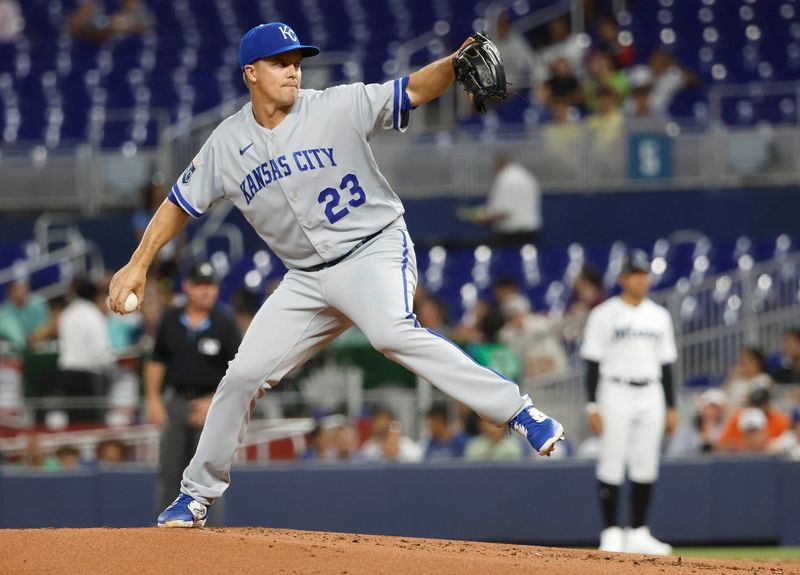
633	427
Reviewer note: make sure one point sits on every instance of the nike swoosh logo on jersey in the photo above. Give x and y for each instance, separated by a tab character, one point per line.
243	150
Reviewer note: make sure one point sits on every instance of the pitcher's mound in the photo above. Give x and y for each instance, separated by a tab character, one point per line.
257	550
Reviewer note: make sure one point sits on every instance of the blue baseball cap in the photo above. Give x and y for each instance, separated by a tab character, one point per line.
270	39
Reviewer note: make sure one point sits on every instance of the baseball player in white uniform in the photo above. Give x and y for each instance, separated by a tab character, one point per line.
629	347
298	165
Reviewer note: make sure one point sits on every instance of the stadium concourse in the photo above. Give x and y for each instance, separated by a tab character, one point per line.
668	126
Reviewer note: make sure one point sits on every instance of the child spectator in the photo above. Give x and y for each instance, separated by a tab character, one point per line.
702	433
606	123
69	458
493	444
321	445
443	443
110	452
345	442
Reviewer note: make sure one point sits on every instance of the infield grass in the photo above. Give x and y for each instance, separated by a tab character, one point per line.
755	553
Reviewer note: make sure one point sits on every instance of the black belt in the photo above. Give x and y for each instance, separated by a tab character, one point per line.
633	382
332	263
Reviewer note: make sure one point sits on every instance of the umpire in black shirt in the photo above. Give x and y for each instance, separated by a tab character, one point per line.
194	344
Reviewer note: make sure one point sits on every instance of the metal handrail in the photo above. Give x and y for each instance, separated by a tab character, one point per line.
70	252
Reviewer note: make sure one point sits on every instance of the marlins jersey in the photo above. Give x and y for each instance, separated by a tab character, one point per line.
630	343
310	187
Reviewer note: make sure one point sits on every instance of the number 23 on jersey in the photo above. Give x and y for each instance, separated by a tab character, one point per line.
331	198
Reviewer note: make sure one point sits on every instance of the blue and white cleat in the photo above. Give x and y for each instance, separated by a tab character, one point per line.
184	512
541	431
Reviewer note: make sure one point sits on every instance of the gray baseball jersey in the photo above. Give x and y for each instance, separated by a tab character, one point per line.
310	187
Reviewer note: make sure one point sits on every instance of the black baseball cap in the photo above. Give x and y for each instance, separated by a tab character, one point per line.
635	261
202	273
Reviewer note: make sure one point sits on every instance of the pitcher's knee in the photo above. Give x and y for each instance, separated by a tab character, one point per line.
243	375
390	339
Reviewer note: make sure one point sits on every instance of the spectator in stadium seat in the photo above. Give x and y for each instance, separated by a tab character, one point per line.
444	442
604	77
345	442
69	458
639	113
110	452
752	425
12	332
669	78
86	357
387	442
606	124
11	21
561	86
747	375
789	368
587	293
562	135
702	432
493	444
30	310
789	443
320	444
520	61
733	438
532	337
399	448
563	44
432	313
610	39
34	456
90	21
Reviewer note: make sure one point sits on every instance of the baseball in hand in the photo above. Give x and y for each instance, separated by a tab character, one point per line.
131	303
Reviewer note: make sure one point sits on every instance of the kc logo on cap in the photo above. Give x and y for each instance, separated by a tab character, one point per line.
288	33
271	39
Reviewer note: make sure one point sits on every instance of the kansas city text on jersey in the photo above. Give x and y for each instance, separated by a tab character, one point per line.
280	167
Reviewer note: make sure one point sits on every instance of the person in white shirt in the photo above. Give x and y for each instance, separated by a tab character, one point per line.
85	354
522	66
513	209
532	337
629	348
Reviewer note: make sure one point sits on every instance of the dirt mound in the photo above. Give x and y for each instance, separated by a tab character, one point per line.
257	550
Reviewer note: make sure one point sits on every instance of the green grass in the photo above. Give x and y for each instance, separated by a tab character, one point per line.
755	553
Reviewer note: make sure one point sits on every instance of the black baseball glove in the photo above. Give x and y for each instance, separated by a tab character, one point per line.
479	70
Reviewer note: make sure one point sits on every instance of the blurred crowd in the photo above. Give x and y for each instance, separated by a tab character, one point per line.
595	82
98	357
